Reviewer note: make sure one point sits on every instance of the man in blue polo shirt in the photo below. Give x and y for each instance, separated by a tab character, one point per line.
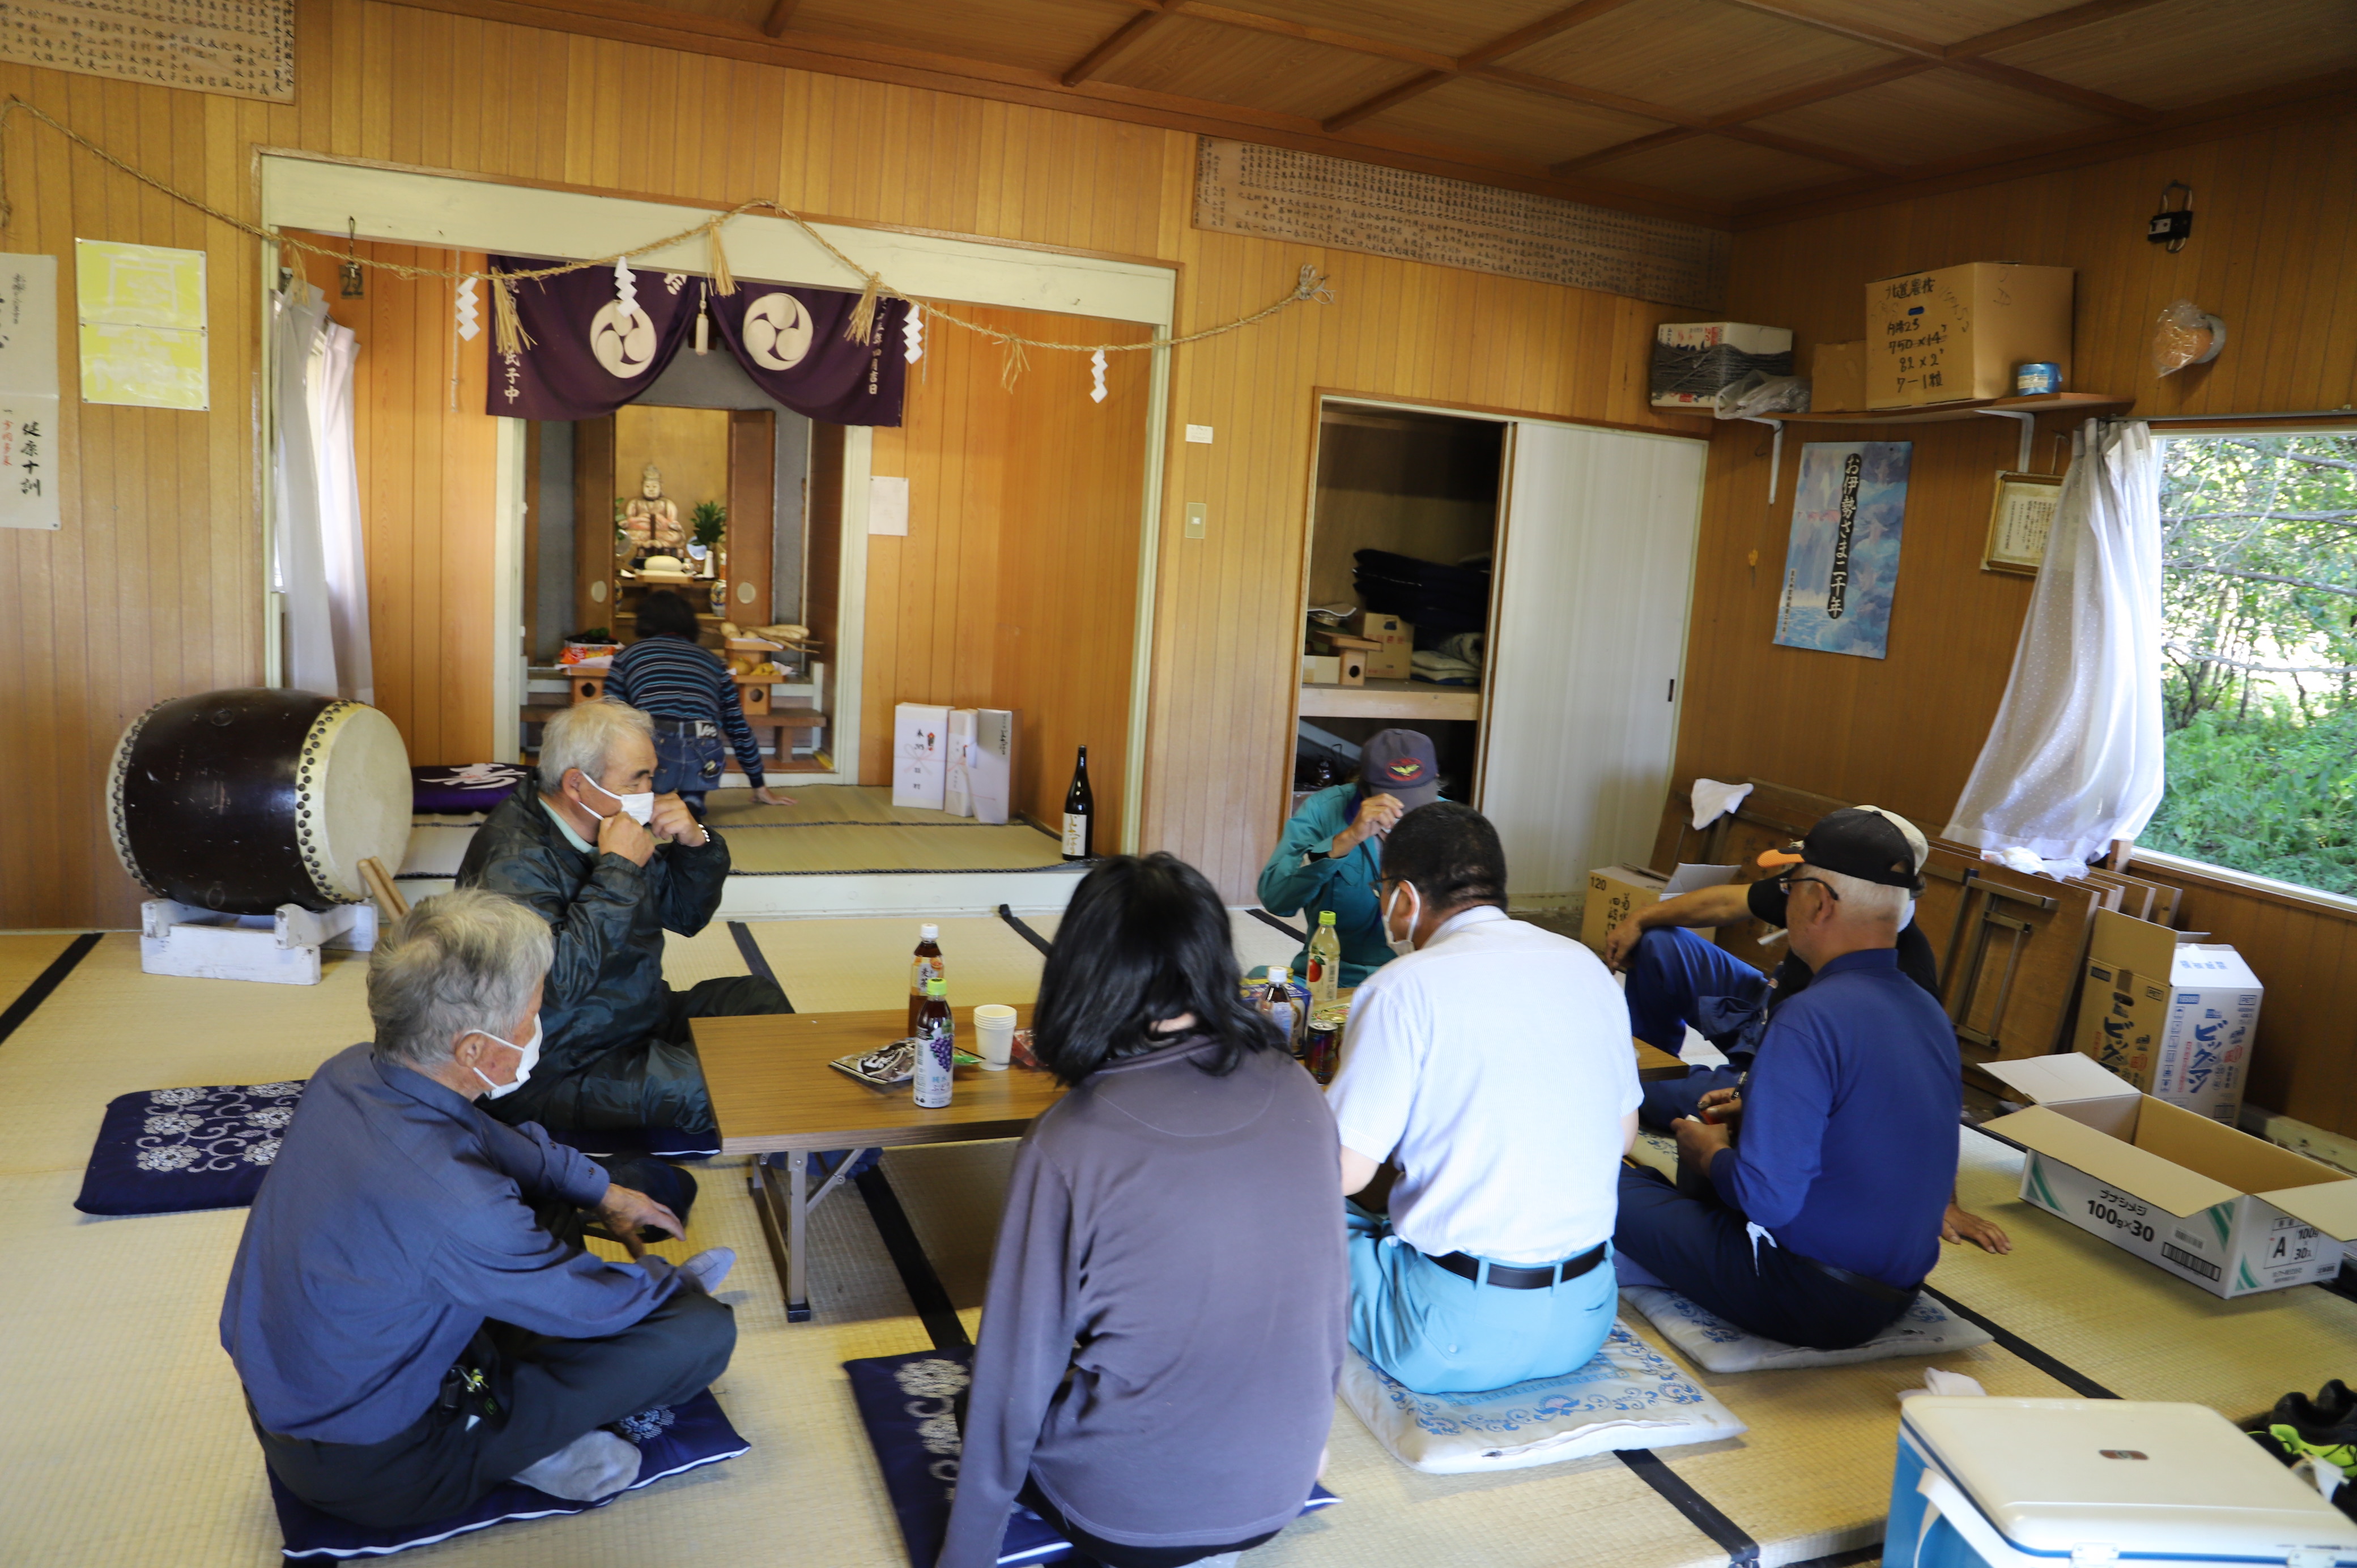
1822	1216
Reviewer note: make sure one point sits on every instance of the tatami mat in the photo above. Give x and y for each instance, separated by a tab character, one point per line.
848	966
788	852
23	955
1258	943
826	805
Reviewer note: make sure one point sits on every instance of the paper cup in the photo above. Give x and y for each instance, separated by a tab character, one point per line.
994	1035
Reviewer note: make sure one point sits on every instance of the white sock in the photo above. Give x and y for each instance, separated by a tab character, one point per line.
595	1465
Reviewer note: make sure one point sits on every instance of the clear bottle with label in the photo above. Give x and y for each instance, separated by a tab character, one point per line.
1280	1006
936	1048
1080	813
1325	974
925	965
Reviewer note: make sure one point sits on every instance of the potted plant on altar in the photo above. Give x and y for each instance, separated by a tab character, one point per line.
710	520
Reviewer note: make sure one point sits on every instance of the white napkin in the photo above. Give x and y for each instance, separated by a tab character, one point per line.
1936	1382
1713	800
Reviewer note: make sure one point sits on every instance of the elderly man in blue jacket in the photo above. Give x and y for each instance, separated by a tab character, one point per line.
411	1310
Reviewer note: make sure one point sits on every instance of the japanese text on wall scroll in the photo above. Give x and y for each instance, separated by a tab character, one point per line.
1272	193
245	49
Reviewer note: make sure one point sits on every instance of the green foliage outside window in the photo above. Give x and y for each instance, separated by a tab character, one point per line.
2259	553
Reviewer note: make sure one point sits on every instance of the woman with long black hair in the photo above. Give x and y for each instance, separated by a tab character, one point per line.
1167	1309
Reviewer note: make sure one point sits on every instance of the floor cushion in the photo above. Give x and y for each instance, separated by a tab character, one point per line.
909	1405
167	1151
670	1440
449	788
1629	1396
1925	1328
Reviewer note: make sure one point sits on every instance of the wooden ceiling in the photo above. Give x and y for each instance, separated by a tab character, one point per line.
1723	110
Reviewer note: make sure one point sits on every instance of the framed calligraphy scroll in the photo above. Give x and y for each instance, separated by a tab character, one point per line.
2020	517
1273	193
1841	569
243	49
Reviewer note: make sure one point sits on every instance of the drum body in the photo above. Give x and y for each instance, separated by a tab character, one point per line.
246	799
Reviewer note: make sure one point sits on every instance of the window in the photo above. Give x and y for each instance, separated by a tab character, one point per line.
2259	571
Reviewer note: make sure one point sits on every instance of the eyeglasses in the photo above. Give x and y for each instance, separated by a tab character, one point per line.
1790	880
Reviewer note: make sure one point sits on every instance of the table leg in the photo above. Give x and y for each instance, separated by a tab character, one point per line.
769	1203
796	1233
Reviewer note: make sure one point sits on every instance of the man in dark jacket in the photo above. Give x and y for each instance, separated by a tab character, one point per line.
609	865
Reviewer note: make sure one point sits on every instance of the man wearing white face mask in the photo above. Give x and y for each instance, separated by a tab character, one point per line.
411	1311
1490	1061
610	866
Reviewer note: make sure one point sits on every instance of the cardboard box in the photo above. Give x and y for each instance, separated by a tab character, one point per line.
2213	1206
990	764
2174	1017
1957	333
1322	670
1837	378
1393	639
1615	893
1694	361
920	734
957	795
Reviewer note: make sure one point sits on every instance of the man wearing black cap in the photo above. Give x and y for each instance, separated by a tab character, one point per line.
1331	852
1820	1225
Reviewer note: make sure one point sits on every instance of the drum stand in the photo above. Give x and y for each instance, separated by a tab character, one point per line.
282	948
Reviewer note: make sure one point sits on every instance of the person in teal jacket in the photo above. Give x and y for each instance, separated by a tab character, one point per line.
1330	856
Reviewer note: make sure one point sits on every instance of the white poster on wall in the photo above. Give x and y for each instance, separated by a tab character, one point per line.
141	319
887	505
29	391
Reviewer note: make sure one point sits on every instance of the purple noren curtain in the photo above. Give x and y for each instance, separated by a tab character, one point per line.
583	363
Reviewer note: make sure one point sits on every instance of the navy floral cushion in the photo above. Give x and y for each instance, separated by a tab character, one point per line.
165	1151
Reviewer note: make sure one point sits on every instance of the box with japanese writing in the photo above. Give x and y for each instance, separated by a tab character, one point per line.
2224	1211
2173	1017
1614	894
1958	332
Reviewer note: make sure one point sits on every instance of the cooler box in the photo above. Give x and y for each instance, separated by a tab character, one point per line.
2025	1483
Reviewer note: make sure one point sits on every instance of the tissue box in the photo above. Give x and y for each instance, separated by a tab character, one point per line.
921	736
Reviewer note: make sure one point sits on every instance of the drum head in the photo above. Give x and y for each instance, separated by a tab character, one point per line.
352	800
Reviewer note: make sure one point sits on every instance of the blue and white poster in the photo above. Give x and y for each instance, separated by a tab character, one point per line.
1842	565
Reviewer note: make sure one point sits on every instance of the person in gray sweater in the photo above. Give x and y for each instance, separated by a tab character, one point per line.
1167	1312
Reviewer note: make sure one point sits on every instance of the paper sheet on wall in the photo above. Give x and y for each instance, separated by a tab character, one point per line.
887	505
29	391
245	49
141	314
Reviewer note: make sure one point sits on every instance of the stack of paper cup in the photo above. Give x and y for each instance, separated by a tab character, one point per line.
994	1035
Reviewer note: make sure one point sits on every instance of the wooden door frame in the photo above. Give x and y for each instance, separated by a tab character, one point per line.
444	208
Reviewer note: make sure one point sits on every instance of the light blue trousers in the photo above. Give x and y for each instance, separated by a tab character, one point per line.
1438	1332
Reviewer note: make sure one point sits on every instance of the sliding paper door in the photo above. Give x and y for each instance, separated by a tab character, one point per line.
1587	641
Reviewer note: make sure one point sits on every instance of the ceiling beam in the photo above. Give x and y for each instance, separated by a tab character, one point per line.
1670	137
2046	27
1817	150
1120	38
1252	21
1495	49
781	14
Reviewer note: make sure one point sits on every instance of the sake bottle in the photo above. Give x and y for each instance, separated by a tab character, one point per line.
1324	975
1079	812
924	965
936	1048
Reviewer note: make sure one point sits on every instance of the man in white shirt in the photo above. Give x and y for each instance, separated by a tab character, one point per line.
1490	1061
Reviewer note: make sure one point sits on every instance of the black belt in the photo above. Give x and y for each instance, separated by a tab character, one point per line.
1863	1284
1544	1277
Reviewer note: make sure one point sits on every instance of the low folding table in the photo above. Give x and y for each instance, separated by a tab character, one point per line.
778	1101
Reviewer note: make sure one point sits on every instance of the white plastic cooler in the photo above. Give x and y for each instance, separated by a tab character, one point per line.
2022	1483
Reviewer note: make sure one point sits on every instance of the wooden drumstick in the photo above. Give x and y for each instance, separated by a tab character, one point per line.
388	897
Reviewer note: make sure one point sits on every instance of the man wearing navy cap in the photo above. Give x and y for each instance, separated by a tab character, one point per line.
1330	856
1821	1215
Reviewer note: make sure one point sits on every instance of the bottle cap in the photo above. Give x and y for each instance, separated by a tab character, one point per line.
928	933
1325	917
1279	972
937	988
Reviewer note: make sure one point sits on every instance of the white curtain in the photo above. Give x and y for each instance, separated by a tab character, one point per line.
2075	759
322	567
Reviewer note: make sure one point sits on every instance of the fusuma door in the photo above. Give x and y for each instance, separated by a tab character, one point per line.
1595	577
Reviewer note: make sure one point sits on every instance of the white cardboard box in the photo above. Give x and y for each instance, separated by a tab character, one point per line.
1690	343
957	795
990	764
2174	1017
2217	1207
919	753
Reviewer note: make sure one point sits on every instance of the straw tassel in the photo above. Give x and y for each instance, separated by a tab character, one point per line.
724	282
1011	369
863	315
506	331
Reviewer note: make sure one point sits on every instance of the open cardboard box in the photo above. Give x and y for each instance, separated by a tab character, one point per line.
2228	1212
2172	1014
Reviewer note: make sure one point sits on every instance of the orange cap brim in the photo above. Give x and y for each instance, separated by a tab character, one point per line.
1771	858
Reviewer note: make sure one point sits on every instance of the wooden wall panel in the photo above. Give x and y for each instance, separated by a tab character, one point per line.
1904	731
1016	587
752	513
426	454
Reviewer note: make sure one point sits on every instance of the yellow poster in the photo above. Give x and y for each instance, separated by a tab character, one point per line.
142	314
